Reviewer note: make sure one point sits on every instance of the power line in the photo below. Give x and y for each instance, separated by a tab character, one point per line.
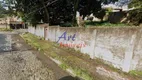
42	7
35	7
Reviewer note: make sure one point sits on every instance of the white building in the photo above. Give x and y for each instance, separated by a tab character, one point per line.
121	4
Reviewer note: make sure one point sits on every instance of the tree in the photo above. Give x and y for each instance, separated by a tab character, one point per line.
135	16
136	4
54	12
3	11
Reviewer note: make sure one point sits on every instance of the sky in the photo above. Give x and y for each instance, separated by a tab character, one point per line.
120	4
123	2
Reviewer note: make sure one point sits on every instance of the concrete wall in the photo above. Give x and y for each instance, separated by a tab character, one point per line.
120	47
4	26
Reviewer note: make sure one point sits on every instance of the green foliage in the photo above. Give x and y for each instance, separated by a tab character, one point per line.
4	29
66	24
3	11
105	24
33	41
52	11
64	66
135	16
109	10
136	73
82	73
136	4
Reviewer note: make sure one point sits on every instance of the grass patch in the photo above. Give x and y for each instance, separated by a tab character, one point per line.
67	24
105	24
4	29
64	66
98	62
34	42
82	73
136	73
70	62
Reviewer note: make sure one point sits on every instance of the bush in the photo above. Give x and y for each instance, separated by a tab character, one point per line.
135	16
105	24
66	24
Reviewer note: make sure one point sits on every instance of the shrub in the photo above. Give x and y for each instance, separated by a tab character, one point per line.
67	24
135	16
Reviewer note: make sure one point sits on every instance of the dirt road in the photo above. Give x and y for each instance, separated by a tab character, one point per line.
18	61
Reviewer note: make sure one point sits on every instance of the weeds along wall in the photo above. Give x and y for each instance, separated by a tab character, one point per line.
120	47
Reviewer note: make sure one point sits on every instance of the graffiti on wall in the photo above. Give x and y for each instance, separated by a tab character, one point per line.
70	41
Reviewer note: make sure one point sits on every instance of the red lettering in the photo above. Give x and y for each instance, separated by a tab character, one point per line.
61	44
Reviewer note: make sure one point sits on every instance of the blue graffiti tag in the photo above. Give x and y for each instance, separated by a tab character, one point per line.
65	37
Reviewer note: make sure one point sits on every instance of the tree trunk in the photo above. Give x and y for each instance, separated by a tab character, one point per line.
76	2
47	14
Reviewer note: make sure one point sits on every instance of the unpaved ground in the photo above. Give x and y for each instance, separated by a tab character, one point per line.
96	68
18	61
23	65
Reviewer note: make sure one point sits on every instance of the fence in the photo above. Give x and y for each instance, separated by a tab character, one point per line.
120	47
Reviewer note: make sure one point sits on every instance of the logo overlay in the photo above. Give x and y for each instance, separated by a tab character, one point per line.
68	38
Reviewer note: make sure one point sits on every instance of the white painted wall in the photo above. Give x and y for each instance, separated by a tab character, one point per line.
116	46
